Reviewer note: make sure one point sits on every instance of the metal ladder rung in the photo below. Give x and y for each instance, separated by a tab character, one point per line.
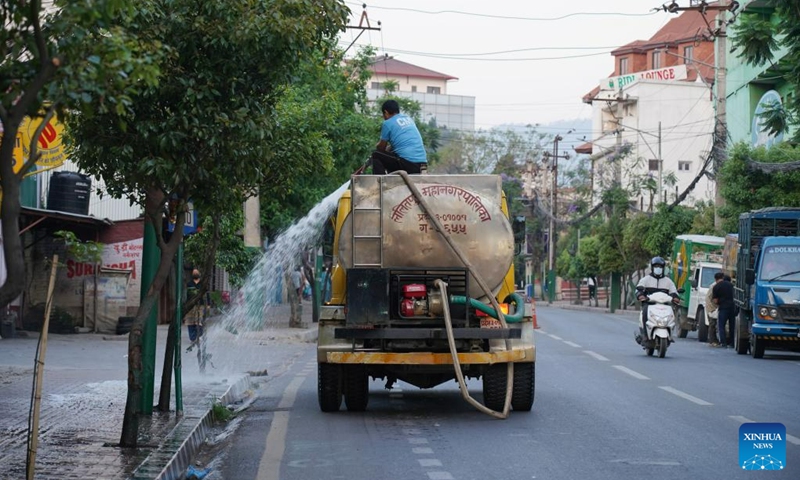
368	236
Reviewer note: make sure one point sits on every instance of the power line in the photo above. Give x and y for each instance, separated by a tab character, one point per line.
509	17
529	59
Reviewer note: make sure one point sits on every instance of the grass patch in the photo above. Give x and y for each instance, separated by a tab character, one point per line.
220	413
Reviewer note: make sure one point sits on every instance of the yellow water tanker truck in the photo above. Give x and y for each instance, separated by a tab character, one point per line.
423	292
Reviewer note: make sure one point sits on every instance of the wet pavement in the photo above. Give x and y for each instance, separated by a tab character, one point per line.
84	392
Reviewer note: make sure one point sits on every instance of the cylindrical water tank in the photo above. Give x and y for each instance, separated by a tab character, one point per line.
69	192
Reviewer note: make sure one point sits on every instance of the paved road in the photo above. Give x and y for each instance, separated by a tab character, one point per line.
603	411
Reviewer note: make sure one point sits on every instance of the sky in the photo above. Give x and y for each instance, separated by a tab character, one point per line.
521	88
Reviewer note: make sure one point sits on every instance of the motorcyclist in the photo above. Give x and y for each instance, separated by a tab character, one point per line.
651	283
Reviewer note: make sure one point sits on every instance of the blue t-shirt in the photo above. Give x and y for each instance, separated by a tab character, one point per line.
401	132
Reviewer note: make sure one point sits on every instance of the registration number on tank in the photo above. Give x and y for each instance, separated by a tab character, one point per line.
490	323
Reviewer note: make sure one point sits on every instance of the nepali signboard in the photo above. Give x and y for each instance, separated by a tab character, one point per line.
671	74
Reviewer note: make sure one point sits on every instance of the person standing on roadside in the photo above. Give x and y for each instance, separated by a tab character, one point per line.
712	310
196	318
723	297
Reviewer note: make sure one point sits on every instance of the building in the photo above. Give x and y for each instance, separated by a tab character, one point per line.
428	87
658	101
751	88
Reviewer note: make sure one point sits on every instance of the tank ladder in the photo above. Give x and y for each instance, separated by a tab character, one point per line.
367	247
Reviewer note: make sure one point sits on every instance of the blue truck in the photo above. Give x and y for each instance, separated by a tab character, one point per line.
767	286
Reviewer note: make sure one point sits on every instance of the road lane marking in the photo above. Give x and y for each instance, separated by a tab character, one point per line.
595	355
270	466
289	395
429	462
555	337
686	396
740	419
440	476
572	344
630	372
417	441
422	450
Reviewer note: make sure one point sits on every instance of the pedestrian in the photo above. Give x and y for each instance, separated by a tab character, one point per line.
592	287
298	282
197	316
712	311
407	150
723	296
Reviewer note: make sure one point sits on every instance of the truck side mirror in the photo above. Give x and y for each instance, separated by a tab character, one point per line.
693	282
749	276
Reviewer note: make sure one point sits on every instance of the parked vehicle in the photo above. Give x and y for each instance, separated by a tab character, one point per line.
406	305
767	280
695	260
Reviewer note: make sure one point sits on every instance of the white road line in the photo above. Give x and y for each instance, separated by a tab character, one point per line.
630	372
287	400
412	431
686	396
440	476
572	344
595	355
270	466
422	450
740	419
555	337
417	441
429	462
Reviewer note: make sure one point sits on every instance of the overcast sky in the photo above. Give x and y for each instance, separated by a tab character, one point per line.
523	90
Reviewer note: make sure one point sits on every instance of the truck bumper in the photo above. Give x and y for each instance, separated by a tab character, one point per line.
780	332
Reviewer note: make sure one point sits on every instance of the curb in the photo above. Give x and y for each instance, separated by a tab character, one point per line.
599	310
173	457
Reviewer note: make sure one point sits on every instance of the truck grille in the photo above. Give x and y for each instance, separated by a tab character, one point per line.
790	314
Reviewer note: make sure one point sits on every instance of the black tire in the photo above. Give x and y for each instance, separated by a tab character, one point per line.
356	388
329	386
702	328
495	380
649	350
124	325
756	346
741	338
524	387
663	344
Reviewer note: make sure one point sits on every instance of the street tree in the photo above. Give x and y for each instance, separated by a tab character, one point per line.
76	55
205	131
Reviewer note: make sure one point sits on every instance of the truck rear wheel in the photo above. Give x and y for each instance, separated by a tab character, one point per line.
356	388
524	387
741	339
702	328
495	381
329	386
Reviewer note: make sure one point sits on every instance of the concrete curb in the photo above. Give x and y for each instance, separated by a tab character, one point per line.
173	457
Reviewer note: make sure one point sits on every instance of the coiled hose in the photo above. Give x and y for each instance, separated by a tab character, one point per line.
448	321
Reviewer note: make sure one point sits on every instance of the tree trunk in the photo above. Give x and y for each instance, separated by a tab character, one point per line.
154	201
165	392
9	213
578	299
294	302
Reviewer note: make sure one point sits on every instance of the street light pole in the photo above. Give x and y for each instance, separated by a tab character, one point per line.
551	237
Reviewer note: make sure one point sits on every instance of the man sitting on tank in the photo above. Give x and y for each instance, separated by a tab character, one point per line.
407	150
654	282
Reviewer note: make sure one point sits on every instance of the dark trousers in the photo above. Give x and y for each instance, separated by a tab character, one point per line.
384	162
725	316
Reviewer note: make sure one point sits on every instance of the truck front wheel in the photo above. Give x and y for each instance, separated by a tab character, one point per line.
356	388
702	328
756	346
329	386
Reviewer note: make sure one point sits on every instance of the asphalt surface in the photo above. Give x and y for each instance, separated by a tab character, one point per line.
603	410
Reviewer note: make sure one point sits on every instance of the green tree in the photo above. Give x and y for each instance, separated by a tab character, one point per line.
207	131
495	150
746	187
770	34
81	56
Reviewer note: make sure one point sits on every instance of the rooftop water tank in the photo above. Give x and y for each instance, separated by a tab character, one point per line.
69	192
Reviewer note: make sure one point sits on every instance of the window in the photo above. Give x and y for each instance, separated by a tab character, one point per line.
413	88
688	55
656	60
376	85
623	66
436	90
653	165
684	166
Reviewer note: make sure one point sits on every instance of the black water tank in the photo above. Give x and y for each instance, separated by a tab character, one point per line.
69	192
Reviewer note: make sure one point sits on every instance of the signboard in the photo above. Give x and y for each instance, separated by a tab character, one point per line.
50	144
673	73
759	138
190	224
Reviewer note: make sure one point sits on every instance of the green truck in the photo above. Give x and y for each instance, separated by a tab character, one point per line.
695	259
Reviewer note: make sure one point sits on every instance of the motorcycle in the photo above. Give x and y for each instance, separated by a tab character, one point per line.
660	323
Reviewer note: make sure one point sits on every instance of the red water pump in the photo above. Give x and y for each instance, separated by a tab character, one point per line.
415	300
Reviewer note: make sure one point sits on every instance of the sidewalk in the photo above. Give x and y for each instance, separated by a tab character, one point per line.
85	388
586	307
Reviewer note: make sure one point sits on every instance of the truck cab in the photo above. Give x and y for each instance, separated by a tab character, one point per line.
702	279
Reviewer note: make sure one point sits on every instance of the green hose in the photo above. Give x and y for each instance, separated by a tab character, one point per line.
515	318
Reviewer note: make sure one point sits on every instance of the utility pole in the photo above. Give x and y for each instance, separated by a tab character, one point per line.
551	236
661	195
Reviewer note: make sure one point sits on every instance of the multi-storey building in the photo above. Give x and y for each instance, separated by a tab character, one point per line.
658	100
428	87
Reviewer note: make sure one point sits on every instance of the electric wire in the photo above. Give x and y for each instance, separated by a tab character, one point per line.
509	17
